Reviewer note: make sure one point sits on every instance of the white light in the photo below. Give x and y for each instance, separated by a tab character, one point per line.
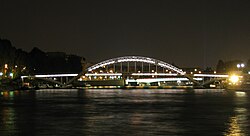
160	79
248	72
104	74
209	75
136	60
57	75
156	74
234	79
11	74
240	94
1	73
242	65
238	65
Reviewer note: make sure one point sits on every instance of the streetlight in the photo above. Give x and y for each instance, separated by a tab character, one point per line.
242	65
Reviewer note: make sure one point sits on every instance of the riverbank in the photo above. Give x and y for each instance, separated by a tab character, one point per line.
8	84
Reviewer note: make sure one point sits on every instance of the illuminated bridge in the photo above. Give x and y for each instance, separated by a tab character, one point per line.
131	71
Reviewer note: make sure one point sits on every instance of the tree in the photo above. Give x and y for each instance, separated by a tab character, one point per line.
220	68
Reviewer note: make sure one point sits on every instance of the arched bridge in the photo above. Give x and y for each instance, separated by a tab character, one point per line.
132	67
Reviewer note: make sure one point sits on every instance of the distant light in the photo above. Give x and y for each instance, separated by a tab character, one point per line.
11	93
11	74
238	65
57	75
153	74
104	74
1	73
248	72
195	69
242	65
240	94
215	72
199	71
178	81
209	75
6	66
234	79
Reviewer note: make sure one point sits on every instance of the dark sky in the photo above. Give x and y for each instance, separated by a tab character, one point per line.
185	32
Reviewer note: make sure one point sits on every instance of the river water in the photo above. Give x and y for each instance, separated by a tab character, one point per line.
72	112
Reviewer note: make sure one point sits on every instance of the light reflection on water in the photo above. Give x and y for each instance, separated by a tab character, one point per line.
124	112
238	123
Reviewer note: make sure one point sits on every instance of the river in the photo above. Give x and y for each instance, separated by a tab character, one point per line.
71	112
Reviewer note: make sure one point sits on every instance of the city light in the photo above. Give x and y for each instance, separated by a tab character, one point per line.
6	66
209	75
234	79
104	74
242	65
11	75
155	74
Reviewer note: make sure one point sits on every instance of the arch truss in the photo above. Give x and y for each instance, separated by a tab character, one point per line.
136	59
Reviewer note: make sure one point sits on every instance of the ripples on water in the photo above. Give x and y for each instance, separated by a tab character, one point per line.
125	112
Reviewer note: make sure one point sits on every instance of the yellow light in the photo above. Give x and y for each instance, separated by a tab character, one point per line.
234	79
6	66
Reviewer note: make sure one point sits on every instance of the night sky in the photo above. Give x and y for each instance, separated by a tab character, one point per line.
188	33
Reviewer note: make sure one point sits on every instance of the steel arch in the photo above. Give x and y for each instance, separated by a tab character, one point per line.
136	59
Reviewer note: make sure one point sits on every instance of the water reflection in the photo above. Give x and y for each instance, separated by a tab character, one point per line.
238	123
8	121
124	112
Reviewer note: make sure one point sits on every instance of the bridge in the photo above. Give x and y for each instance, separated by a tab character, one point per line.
130	71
